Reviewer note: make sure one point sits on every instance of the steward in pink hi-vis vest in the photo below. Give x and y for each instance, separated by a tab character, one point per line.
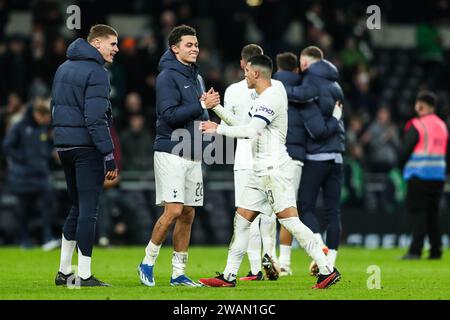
427	161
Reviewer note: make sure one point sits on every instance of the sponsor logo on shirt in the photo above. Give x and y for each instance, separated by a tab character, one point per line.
266	110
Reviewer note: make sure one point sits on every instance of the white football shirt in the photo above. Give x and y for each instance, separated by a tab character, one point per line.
269	147
242	102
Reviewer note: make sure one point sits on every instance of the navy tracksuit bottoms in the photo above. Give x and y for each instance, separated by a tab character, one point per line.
325	175
84	169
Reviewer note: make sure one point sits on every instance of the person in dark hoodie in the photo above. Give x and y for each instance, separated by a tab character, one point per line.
82	118
180	102
305	120
28	148
324	145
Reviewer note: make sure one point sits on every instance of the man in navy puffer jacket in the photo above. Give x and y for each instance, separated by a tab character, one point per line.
324	145
180	102
305	120
81	113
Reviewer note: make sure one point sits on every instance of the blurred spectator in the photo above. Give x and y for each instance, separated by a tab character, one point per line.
361	96
429	44
167	21
383	143
124	215
339	28
4	16
209	65
47	15
315	24
353	191
14	110
137	151
131	62
430	52
133	104
29	149
56	57
351	56
16	64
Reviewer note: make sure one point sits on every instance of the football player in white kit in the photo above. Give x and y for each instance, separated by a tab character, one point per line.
270	186
242	101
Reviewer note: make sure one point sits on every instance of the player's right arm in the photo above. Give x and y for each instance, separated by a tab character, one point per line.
225	112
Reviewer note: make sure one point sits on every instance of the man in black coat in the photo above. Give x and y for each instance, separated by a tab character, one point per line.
82	121
28	149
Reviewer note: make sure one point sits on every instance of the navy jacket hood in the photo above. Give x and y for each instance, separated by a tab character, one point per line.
324	69
80	49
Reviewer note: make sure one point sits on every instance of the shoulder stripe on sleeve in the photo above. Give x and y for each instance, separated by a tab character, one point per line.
261	117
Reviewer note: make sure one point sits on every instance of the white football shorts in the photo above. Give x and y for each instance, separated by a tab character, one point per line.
297	175
178	180
272	191
241	179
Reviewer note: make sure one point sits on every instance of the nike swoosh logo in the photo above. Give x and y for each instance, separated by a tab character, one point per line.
186	87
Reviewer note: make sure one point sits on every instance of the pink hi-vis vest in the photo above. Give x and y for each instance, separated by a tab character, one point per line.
427	161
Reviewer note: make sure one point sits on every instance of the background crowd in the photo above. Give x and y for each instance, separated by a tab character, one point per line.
380	85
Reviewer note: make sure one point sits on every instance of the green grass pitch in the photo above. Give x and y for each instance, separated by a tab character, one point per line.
30	274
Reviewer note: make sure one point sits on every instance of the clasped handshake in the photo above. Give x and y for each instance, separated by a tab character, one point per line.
211	99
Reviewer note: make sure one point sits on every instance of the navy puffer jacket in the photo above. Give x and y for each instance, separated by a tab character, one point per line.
296	134
178	91
81	110
319	85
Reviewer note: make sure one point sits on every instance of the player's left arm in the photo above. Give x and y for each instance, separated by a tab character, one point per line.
317	127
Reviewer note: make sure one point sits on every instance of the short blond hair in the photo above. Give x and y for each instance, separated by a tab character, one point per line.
312	52
101	31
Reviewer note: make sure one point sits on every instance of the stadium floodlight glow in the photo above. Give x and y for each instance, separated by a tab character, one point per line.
254	3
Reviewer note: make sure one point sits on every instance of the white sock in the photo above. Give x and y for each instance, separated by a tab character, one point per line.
268	228
67	249
179	261
285	256
238	247
151	253
308	241
332	256
320	239
84	266
254	246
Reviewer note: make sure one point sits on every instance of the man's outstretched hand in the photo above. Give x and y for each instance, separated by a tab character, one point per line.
208	127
